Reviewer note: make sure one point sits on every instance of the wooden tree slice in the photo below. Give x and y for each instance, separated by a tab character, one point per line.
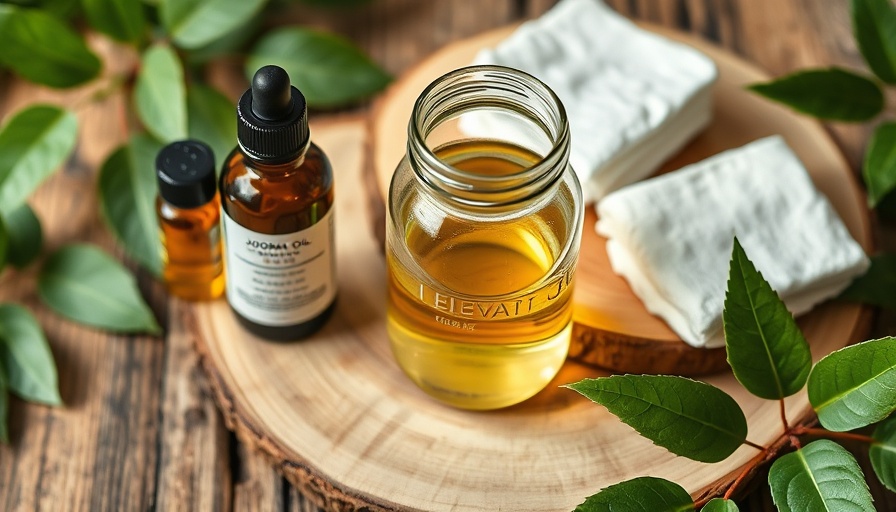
612	328
337	416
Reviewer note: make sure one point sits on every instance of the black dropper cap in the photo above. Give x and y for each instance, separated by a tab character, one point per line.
186	173
272	118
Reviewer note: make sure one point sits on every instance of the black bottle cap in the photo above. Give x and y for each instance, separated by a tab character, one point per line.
272	118
186	173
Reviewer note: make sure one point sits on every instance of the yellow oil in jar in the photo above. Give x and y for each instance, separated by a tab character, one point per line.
490	324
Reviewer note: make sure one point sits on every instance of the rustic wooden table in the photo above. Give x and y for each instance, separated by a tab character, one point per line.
140	430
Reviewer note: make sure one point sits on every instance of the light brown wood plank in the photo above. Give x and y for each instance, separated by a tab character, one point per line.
258	486
194	464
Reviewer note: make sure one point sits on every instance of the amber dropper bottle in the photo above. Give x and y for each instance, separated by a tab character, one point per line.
188	211
277	198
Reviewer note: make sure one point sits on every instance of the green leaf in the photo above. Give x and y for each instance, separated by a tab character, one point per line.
720	505
644	494
833	93
211	117
329	70
160	94
62	9
195	23
25	235
876	286
33	144
688	418
766	348
855	386
883	453
6	13
874	28
879	169
4	244
127	192
43	49
822	476
231	43
4	408
26	357
120	19
84	284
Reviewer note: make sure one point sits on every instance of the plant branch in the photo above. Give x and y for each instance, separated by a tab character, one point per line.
754	462
702	503
766	454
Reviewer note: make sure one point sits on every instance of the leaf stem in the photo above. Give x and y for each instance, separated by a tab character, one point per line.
783	415
754	445
820	432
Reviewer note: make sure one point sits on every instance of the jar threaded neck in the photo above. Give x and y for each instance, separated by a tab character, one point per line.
484	90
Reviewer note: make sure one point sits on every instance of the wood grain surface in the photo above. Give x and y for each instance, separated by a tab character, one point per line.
139	430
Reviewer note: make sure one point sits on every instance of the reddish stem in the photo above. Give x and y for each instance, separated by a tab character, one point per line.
783	415
789	436
819	432
765	454
754	445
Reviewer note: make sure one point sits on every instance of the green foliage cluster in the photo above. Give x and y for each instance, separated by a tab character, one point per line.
44	42
849	389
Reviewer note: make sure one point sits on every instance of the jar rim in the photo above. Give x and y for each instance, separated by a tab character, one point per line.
499	88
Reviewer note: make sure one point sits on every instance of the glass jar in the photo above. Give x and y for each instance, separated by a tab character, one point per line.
483	232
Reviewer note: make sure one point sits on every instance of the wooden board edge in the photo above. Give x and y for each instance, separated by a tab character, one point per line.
605	350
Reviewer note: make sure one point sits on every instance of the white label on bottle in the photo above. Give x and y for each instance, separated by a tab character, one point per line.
280	280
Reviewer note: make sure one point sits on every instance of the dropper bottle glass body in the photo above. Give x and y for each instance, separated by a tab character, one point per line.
277	199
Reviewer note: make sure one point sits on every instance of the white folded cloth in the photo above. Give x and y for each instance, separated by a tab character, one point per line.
633	98
671	236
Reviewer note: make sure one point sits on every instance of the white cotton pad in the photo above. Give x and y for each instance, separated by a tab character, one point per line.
633	98
671	236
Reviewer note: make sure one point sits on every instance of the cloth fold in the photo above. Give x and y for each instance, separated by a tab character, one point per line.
671	236
633	98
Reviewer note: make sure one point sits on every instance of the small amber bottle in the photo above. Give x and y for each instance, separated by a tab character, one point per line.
277	198
188	210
